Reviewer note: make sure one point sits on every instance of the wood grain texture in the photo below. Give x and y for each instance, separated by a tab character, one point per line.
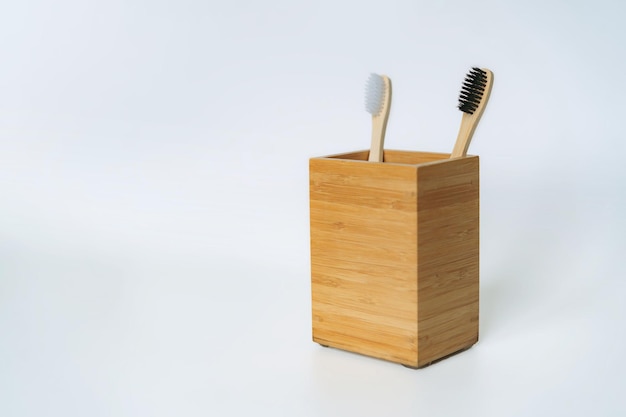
364	257
448	286
394	254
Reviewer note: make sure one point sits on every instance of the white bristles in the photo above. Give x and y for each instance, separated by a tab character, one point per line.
374	94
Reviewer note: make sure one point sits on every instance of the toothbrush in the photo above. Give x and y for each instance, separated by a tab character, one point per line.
378	103
472	102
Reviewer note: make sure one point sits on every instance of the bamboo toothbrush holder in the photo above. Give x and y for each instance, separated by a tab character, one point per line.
394	254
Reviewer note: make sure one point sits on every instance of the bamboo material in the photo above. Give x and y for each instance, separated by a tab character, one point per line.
379	124
394	254
470	121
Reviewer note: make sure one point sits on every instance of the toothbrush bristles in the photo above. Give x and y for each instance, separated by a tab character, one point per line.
374	94
472	90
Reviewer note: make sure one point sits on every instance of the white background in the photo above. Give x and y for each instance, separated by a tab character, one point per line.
154	202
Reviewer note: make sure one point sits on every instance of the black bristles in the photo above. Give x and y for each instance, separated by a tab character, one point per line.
472	90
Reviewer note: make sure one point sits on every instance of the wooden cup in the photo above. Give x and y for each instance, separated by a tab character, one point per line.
394	254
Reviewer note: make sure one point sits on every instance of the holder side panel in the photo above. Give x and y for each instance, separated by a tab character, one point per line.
364	257
448	244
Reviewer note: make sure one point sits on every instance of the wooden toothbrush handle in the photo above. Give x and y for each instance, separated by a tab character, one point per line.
466	131
378	139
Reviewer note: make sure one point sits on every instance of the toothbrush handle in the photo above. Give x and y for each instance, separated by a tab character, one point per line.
378	140
466	132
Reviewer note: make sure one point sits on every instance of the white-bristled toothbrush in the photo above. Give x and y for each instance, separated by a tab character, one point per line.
378	103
